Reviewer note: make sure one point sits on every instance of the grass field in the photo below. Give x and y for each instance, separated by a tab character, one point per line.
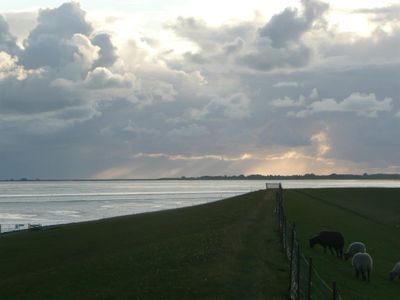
223	250
369	215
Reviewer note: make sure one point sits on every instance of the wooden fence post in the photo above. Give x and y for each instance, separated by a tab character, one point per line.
309	278
291	257
334	291
298	270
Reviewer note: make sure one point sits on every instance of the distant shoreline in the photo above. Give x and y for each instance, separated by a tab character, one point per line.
378	176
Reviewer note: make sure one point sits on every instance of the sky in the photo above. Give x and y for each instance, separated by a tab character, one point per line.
150	89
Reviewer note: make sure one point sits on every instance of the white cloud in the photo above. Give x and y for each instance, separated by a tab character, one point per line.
86	50
61	31
173	157
321	143
314	94
284	84
102	78
288	102
366	105
9	68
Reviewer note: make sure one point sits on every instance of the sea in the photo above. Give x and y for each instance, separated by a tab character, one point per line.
25	204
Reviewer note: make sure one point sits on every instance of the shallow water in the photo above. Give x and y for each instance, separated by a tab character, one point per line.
57	202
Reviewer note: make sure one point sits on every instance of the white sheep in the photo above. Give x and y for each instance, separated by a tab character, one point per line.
395	271
356	247
362	263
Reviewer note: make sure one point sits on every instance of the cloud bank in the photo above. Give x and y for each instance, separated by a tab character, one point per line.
282	95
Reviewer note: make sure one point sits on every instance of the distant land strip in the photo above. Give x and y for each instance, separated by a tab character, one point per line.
334	176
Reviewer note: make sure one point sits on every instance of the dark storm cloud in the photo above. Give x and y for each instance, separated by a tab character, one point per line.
279	43
33	95
276	45
290	25
266	58
239	44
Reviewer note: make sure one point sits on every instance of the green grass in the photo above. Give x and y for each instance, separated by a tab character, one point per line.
370	215
223	250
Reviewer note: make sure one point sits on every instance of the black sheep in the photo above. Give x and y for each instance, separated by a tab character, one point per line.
330	239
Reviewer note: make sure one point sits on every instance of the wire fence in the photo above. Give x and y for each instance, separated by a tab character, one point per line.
304	280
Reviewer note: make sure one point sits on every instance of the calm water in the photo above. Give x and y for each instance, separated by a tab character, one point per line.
59	202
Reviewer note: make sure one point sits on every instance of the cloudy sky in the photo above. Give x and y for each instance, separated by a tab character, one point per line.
148	89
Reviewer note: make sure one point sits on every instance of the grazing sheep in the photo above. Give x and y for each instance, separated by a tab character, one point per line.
330	239
356	247
362	263
395	271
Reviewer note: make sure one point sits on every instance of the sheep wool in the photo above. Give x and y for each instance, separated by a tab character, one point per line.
395	271
356	247
362	263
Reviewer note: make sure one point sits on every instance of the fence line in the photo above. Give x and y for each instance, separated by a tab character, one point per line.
304	280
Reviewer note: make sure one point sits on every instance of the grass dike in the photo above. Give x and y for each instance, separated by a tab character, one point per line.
227	249
369	215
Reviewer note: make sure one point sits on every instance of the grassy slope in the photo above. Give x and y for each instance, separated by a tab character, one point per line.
223	250
368	215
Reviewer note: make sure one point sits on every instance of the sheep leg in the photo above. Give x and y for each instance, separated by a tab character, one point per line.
330	249
340	252
337	252
363	275
357	273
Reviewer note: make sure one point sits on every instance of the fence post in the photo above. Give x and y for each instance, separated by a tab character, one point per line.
298	270
309	278
334	291
282	220
284	242
293	236
286	235
291	257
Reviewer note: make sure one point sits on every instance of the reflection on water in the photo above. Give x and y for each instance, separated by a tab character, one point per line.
59	202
